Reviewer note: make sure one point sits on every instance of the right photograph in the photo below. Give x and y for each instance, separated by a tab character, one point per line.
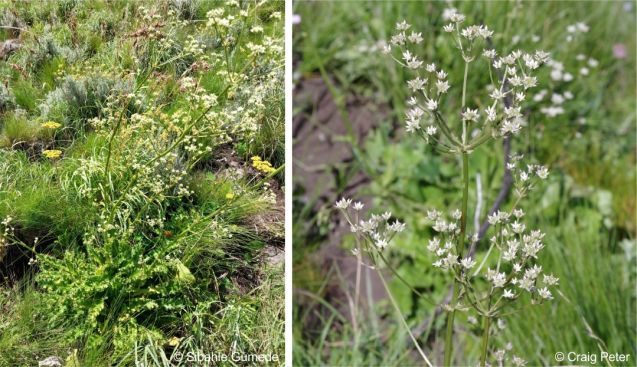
464	181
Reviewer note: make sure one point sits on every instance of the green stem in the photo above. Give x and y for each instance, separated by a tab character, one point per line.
359	263
465	199
464	84
461	241
485	341
442	124
450	317
464	99
267	177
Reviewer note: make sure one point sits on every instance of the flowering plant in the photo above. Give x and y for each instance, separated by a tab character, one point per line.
517	275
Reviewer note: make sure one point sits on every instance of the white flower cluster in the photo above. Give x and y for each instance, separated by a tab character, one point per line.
501	359
7	231
218	18
376	230
500	117
429	85
444	245
525	177
194	47
6	223
517	68
253	90
268	195
519	249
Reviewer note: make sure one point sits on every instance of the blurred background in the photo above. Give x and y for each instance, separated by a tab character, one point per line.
349	140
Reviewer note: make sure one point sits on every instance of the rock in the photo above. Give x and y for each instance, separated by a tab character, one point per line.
274	255
8	47
50	362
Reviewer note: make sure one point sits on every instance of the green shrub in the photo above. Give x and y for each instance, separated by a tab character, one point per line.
26	95
76	101
121	283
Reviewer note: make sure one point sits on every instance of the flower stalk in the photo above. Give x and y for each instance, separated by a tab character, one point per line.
461	244
485	341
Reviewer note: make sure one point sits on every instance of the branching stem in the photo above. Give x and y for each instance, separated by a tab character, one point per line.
463	225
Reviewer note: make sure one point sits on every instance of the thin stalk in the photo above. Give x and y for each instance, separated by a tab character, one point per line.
481	139
267	177
465	199
357	290
442	124
461	241
464	99
449	333
404	281
404	322
484	260
485	341
359	263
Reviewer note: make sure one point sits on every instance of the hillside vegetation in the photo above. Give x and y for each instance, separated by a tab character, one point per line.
141	150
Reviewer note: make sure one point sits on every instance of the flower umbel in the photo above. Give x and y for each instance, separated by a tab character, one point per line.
261	165
376	231
516	75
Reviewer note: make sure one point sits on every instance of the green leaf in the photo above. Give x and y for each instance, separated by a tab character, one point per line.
183	273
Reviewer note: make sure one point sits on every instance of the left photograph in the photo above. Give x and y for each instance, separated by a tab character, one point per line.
142	183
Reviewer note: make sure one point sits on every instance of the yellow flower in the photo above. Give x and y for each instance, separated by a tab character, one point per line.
174	341
230	195
51	125
52	154
263	166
